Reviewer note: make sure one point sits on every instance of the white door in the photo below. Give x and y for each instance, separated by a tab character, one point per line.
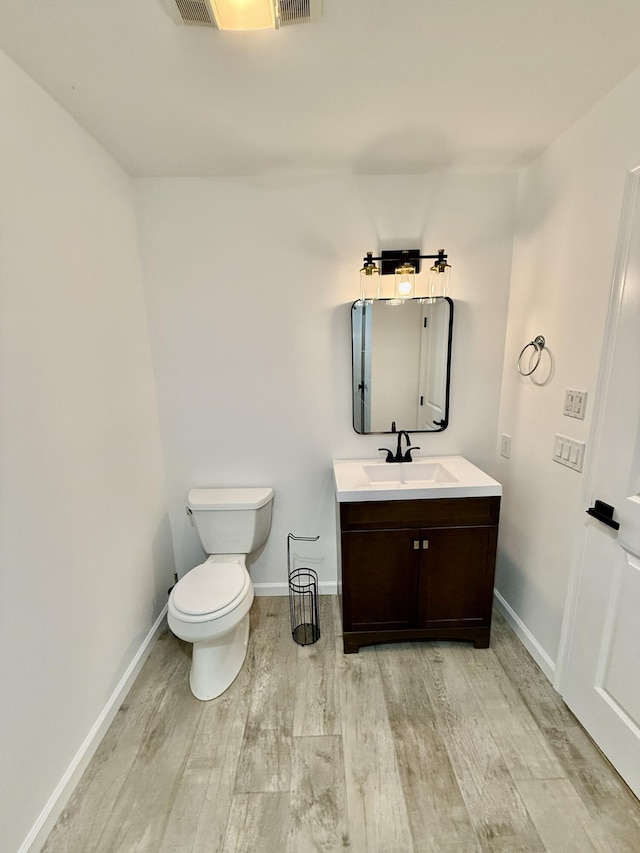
432	383
600	680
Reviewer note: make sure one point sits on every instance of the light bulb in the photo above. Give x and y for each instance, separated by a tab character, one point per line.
405	281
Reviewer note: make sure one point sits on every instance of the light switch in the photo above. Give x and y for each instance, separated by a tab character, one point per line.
575	404
568	404
505	446
579	404
569	452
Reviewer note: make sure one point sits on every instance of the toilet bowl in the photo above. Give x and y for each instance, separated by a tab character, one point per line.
209	606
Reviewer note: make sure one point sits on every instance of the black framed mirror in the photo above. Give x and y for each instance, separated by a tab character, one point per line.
401	364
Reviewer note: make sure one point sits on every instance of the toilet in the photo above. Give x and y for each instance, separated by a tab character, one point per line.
209	606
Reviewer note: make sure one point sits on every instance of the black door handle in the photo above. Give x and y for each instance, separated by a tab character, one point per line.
603	512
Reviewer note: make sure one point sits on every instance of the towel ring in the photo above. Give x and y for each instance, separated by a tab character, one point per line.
538	345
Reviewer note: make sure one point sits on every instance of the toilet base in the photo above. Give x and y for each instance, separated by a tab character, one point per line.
216	663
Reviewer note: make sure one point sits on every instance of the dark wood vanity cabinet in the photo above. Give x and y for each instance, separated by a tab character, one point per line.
417	569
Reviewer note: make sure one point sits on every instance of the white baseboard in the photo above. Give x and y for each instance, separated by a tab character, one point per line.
546	664
324	588
57	801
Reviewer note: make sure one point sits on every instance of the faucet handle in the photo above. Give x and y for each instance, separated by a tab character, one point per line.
389	454
407	455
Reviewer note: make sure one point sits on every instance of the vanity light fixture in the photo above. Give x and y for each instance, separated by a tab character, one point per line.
405	265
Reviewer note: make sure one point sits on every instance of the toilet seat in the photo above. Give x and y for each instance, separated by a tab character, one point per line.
210	590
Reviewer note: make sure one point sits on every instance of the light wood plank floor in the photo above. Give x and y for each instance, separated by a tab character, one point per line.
416	747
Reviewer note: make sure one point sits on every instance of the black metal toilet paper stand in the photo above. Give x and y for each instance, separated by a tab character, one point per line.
303	598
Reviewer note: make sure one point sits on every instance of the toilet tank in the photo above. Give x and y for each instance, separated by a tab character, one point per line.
231	521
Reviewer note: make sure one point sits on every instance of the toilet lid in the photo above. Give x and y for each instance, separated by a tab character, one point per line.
209	587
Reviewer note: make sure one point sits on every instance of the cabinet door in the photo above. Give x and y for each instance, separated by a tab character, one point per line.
379	579
456	576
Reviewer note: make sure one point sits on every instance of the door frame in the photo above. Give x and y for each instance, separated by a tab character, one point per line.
630	201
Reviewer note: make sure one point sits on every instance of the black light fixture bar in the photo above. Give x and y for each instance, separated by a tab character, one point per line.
391	260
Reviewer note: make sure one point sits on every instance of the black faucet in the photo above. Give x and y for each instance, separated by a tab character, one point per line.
399	457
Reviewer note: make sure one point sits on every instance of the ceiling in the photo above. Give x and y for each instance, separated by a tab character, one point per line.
376	86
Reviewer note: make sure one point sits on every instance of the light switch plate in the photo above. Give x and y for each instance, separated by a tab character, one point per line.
575	404
569	452
505	446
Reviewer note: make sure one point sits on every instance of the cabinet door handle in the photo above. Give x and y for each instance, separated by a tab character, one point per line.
425	544
416	544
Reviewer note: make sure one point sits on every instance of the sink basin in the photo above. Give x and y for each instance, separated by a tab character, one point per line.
423	479
418	471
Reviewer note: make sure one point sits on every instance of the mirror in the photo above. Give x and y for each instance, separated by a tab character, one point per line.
401	364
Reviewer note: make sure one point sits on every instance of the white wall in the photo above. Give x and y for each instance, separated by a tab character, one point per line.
249	285
569	207
85	554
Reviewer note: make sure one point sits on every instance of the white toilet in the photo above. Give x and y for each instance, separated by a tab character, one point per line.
209	606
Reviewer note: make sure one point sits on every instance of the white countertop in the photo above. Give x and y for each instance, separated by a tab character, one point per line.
426	478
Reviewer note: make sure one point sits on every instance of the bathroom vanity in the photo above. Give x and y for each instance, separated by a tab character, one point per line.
417	548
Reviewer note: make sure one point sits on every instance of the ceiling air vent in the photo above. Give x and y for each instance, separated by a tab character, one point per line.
200	13
195	13
298	11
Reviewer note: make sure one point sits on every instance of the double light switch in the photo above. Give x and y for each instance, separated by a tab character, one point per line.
575	404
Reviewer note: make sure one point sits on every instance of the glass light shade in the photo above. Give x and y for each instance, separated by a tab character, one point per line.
244	14
369	283
405	281
439	280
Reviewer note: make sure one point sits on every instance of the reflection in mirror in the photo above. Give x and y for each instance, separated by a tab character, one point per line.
401	364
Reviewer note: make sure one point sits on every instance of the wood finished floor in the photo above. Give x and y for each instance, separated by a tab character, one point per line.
427	746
